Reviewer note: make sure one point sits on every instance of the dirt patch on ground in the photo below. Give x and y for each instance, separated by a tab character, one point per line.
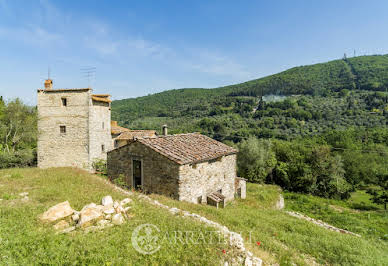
342	209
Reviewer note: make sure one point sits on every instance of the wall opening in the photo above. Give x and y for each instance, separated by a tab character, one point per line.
103	148
62	129
137	174
64	101
199	200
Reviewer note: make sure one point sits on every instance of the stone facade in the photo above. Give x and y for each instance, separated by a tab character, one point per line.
187	182
196	181
100	130
159	174
72	128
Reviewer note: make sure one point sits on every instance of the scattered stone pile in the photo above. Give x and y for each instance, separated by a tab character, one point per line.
321	223
91	217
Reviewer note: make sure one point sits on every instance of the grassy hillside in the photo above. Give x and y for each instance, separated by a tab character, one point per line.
289	241
26	241
270	234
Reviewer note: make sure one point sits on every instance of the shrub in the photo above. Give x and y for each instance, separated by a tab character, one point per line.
120	181
22	158
100	166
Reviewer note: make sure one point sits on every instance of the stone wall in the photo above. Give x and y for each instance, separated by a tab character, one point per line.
241	187
201	179
56	149
100	130
87	125
160	175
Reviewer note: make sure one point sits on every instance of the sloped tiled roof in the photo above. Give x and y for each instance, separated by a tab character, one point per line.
104	99
188	148
115	130
131	134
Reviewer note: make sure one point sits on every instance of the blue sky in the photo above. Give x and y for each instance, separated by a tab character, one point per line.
143	47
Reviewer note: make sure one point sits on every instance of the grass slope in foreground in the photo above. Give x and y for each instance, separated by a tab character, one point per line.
288	240
26	241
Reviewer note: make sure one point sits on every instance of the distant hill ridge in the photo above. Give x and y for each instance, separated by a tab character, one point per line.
356	73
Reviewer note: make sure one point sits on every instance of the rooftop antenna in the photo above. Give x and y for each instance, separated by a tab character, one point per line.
89	73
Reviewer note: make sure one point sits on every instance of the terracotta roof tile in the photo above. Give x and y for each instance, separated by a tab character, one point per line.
101	99
131	134
117	129
188	148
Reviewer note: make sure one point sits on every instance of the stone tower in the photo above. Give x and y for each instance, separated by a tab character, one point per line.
74	127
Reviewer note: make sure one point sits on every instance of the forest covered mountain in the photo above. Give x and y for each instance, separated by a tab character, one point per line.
332	95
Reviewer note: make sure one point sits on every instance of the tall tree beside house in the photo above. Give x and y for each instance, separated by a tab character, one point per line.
17	134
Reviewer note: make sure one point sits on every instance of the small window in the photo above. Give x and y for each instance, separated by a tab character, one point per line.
62	129
103	148
116	144
103	125
64	101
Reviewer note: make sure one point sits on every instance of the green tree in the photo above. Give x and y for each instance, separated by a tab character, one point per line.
255	159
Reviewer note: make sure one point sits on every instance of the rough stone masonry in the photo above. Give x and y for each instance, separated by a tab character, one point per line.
73	127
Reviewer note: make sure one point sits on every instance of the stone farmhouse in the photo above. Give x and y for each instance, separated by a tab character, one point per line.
75	130
190	167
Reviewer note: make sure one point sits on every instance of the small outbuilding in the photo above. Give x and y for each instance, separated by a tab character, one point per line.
189	167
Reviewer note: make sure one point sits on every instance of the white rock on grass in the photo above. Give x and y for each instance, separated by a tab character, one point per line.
61	225
174	210
89	215
125	201
108	217
256	261
126	209
103	223
25	198
57	212
75	217
118	219
119	209
116	204
108	209
107	200
68	230
248	261
90	205
23	194
280	203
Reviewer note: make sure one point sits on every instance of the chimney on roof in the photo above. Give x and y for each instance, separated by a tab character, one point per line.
48	84
113	123
164	130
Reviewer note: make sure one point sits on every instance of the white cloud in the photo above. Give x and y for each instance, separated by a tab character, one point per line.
216	64
30	35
